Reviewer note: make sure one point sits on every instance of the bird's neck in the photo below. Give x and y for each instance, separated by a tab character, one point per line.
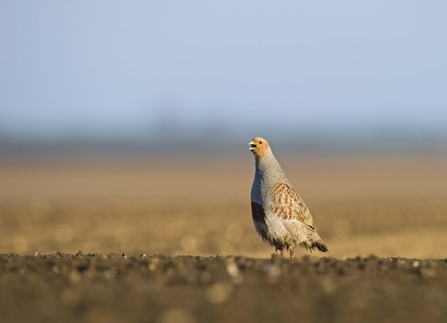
267	165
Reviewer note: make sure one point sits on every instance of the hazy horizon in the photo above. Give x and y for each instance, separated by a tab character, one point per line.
110	71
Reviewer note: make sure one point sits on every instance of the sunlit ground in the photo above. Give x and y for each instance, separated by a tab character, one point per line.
388	205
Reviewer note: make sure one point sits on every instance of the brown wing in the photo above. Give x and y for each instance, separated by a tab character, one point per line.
288	205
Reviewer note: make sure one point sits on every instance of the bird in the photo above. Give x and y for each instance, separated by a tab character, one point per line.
279	214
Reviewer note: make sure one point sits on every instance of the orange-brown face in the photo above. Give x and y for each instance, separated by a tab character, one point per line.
259	146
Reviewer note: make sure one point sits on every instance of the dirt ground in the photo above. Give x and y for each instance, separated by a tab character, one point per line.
150	238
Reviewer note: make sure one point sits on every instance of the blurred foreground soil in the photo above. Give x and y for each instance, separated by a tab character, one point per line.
193	212
114	288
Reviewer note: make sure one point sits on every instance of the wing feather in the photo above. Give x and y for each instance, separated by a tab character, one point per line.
287	204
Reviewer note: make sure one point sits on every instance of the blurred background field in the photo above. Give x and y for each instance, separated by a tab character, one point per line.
123	127
388	205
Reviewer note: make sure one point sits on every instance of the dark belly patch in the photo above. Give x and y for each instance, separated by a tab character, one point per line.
257	212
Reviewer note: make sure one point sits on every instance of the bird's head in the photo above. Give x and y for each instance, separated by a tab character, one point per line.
259	147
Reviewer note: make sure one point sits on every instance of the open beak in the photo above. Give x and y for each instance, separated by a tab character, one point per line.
252	145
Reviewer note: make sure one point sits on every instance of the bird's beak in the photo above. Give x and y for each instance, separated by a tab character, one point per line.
252	145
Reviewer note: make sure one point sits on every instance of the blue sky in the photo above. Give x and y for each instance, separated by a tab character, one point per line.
145	67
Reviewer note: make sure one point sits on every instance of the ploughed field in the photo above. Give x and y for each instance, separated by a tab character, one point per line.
170	239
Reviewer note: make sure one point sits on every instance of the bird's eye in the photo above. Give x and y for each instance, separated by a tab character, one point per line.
260	142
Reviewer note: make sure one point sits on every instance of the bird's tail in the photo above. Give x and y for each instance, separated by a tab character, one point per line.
315	243
319	245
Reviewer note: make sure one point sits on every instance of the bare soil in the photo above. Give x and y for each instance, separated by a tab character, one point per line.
170	239
117	288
